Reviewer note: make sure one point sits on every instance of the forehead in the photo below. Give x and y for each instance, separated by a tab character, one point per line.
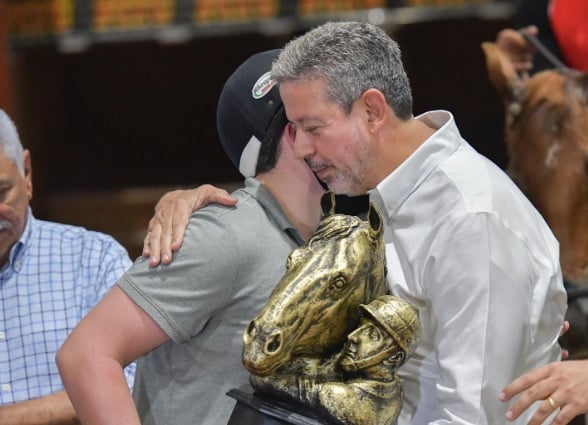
8	168
306	99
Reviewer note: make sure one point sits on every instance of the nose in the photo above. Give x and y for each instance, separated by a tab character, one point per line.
303	147
272	343
353	337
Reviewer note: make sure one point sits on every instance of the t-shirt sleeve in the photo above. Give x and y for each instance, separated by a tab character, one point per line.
182	296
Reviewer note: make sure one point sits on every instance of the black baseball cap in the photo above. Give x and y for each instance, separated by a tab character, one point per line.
248	103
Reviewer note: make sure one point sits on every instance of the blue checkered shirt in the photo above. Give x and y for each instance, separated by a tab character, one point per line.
55	274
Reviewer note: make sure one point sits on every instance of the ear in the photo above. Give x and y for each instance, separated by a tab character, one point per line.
396	359
502	74
375	106
28	173
290	133
328	203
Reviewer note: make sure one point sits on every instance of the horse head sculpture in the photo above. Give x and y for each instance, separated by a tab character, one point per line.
546	128
315	304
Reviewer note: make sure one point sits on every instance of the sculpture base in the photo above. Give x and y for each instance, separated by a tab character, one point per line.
255	409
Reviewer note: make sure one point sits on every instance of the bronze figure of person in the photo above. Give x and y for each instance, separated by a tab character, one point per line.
359	385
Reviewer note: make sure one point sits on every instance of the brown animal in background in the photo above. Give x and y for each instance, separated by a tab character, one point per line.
546	132
547	139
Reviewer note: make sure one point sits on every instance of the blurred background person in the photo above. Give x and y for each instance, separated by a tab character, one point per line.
51	275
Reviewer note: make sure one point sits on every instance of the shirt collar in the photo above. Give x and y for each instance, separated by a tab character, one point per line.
391	192
17	251
273	208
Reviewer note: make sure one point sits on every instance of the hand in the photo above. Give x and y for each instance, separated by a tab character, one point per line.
564	328
165	232
565	382
517	49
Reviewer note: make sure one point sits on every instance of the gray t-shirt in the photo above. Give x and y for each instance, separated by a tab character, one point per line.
231	259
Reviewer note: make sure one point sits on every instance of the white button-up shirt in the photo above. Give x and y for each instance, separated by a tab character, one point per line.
468	248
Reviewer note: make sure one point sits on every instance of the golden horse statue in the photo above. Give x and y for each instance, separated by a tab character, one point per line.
314	305
329	337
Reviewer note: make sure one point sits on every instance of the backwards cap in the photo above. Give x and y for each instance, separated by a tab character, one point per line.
248	103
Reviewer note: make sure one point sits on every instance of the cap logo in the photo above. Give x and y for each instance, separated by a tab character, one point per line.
262	86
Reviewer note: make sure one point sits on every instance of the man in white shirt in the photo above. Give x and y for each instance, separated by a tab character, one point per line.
463	243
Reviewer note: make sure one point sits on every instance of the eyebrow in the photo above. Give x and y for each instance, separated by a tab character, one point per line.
309	121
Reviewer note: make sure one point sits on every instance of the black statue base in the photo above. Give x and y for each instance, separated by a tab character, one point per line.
256	409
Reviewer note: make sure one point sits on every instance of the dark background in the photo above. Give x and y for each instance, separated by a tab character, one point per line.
115	125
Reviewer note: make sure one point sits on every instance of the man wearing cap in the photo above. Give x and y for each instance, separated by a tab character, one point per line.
184	322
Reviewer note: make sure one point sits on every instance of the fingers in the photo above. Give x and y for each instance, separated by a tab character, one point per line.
226	199
207	194
152	244
563	414
564	327
179	223
162	230
531	30
545	409
160	237
525	382
172	214
559	386
517	49
146	246
532	386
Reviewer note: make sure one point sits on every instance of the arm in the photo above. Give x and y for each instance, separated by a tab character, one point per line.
55	409
565	382
91	361
491	323
166	229
103	262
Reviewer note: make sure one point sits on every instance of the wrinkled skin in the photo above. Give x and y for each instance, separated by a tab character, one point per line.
16	191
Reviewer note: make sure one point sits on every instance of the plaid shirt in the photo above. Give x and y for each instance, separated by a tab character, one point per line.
55	274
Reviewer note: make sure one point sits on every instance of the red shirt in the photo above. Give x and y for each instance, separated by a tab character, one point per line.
569	21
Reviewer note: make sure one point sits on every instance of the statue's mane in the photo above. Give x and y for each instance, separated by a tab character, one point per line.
336	226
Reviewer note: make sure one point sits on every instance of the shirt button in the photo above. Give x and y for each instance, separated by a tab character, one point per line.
5	387
391	206
2	336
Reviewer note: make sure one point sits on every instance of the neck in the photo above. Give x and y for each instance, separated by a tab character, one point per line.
298	196
397	144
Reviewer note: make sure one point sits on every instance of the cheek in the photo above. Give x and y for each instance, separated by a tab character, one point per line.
15	211
348	147
336	146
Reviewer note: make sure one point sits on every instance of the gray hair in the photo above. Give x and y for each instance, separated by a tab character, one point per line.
351	57
10	141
